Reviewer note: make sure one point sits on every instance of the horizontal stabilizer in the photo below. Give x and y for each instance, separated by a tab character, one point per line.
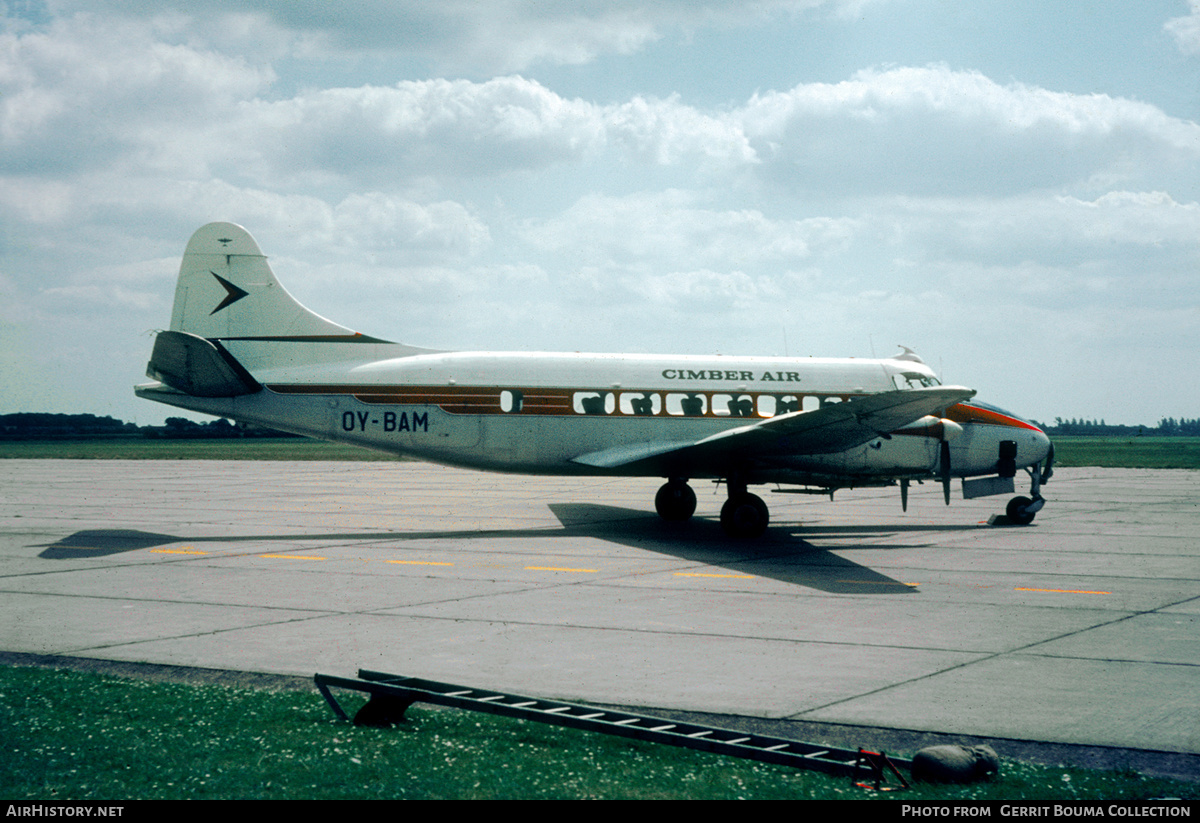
197	367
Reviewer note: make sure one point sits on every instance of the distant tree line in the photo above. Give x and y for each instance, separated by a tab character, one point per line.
1167	427
40	426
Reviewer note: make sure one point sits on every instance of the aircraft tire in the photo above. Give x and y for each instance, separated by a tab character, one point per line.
745	515
1017	513
675	501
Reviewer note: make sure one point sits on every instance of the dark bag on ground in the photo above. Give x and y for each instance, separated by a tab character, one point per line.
955	764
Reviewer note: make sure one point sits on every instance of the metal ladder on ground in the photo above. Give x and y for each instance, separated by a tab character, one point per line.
392	694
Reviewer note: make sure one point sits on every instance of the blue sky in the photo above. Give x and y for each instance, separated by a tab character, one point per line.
1011	188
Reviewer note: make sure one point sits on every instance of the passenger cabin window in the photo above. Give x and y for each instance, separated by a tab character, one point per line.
510	400
593	402
727	405
691	404
642	404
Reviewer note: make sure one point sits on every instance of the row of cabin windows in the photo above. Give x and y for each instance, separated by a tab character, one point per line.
681	404
694	404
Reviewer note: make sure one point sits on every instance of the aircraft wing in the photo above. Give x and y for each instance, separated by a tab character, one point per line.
833	428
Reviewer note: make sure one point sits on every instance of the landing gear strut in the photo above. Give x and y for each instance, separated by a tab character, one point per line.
675	501
1021	510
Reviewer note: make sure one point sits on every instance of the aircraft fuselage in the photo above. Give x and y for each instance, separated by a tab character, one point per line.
532	412
240	346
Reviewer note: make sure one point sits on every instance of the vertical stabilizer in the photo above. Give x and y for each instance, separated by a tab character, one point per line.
227	291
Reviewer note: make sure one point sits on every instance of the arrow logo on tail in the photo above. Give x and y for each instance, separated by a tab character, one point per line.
233	293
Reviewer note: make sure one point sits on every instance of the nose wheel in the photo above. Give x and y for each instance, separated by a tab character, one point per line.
1021	510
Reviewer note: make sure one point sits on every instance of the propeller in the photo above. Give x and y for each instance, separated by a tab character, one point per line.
945	470
944	430
949	430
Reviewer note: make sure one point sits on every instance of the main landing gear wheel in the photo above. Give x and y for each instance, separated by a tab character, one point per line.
744	515
675	501
1018	511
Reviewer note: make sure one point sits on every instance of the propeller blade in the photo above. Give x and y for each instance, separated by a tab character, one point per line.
904	495
946	471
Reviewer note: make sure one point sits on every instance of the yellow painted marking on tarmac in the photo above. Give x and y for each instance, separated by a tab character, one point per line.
556	569
291	557
1058	591
418	563
176	551
698	574
880	583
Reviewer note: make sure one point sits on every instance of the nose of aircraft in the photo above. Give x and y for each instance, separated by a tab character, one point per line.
1040	446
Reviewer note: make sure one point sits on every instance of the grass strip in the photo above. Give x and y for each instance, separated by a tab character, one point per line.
67	735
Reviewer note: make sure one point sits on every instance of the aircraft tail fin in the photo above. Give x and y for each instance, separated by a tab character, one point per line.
226	291
234	325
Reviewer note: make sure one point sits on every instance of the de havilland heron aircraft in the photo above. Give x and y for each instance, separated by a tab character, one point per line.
241	347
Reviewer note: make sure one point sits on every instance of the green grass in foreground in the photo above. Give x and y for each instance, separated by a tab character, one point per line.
1107	452
77	736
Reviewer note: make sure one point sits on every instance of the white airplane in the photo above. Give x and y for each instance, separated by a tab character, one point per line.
241	347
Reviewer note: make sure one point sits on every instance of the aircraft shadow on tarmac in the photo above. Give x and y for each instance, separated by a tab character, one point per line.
783	554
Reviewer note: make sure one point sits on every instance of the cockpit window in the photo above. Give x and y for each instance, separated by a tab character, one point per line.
914	380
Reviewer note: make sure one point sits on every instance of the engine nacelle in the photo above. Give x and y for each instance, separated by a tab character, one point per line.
937	427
